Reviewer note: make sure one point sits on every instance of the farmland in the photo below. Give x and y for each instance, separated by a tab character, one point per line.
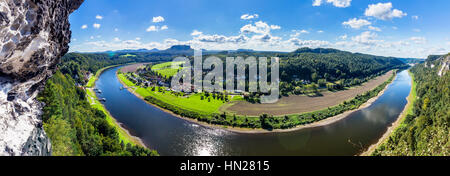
295	104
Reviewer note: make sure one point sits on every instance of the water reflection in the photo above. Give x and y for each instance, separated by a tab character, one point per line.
173	136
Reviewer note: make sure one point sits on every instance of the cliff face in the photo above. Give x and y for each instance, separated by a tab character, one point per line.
445	65
34	34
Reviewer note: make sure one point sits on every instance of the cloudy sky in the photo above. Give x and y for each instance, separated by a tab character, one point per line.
412	28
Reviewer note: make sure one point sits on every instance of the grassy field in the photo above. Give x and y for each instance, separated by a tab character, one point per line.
128	55
192	102
165	69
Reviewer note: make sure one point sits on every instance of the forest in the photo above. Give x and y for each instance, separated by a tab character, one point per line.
77	129
424	132
73	126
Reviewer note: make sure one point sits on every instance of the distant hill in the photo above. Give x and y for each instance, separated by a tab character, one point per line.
433	57
134	51
180	48
318	50
176	49
411	60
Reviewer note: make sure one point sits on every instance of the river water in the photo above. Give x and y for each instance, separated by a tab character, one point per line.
170	135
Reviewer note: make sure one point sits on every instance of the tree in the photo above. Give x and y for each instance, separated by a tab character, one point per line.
314	77
322	82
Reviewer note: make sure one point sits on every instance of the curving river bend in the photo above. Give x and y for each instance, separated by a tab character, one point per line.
170	135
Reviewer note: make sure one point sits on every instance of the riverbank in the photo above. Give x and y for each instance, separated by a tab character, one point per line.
323	122
407	110
124	134
93	79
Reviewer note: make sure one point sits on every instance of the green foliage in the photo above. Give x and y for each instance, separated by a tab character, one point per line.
424	130
324	66
73	126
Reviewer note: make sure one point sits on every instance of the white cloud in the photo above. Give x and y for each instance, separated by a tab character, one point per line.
84	26
298	33
92	37
196	33
152	28
275	27
402	43
96	25
416	30
394	27
116	30
116	39
336	3
317	3
366	38
343	37
249	17
304	32
258	28
221	38
265	38
418	40
320	31
356	23
374	28
415	17
98	17
383	11
340	3
309	43
138	38
158	19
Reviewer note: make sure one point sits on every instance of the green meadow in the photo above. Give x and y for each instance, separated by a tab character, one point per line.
166	70
191	102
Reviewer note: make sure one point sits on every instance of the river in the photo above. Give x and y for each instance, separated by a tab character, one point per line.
170	135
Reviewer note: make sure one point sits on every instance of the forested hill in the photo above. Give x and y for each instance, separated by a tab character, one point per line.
332	68
319	50
425	131
333	64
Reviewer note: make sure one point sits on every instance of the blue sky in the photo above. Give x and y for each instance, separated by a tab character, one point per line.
401	28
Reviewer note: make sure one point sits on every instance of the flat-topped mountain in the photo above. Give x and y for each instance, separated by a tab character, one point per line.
318	50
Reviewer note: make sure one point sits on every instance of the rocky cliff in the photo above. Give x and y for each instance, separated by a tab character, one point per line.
445	65
34	34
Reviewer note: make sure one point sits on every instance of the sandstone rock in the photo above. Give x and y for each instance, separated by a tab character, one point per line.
34	35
